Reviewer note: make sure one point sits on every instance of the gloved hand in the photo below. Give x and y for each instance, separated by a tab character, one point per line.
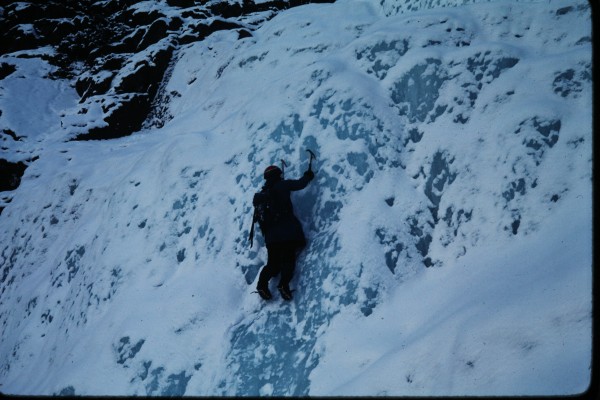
309	174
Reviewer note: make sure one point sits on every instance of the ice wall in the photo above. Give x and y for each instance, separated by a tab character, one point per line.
125	266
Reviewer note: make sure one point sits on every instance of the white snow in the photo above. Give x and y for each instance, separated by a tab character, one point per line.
449	223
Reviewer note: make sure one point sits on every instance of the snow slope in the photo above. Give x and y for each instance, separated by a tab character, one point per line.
449	222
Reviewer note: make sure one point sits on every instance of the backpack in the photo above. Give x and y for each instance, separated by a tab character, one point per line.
266	212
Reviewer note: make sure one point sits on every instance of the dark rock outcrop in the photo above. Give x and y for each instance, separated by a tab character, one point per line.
10	179
6	69
10	174
94	43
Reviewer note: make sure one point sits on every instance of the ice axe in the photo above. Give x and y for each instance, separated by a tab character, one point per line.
283	165
312	156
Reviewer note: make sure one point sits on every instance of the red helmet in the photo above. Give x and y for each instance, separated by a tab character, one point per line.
272	171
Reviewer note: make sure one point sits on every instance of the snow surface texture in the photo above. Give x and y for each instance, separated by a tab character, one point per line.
449	222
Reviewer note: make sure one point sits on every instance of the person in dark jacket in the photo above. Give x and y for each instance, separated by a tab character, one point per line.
284	238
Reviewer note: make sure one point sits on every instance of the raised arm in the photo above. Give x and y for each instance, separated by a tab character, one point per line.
299	184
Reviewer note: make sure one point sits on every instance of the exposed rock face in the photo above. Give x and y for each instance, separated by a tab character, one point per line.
119	51
11	174
10	178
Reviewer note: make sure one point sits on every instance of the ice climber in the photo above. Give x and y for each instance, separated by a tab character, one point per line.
284	238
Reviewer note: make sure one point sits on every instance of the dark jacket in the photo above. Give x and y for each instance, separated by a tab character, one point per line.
287	228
